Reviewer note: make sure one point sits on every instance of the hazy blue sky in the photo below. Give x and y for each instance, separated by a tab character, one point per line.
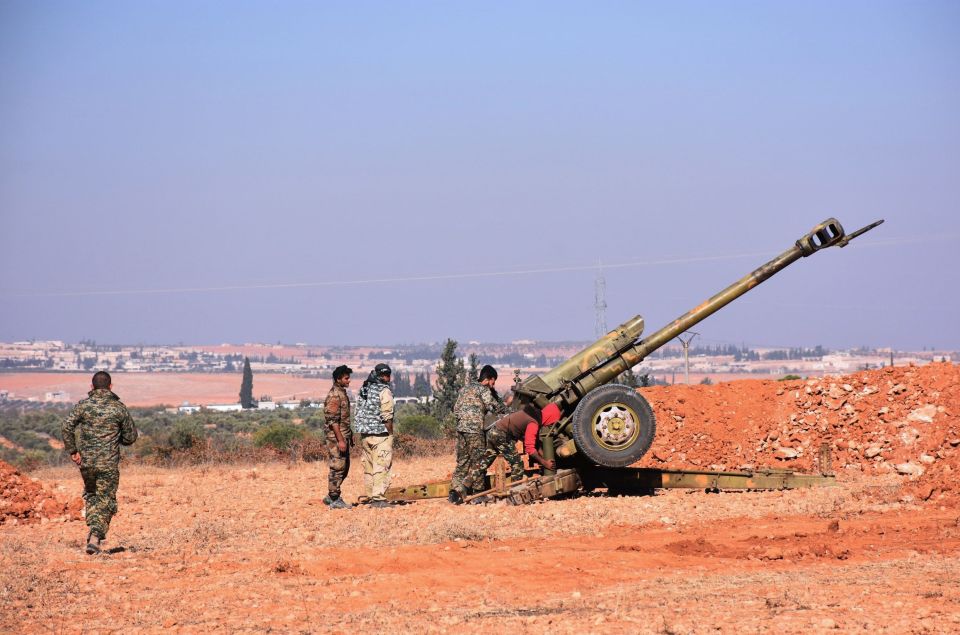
150	146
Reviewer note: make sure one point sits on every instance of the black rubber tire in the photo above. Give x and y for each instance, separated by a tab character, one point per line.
593	404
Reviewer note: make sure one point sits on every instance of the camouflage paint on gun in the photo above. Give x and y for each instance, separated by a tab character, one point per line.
621	349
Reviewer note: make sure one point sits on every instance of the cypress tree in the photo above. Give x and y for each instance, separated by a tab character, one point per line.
474	368
246	385
450	379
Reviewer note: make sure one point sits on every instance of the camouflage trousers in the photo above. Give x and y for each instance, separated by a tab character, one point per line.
468	475
338	461
377	458
100	497
499	444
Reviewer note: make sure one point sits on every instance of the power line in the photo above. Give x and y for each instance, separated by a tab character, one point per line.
427	277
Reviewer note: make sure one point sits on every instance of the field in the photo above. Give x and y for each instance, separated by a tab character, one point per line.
250	547
172	389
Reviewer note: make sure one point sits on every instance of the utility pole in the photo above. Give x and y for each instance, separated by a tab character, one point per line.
600	303
686	351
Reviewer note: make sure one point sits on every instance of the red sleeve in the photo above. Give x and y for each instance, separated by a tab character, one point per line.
530	437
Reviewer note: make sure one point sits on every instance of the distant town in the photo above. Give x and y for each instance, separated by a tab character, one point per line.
415	364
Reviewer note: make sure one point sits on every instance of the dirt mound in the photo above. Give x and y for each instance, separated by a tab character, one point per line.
24	499
901	420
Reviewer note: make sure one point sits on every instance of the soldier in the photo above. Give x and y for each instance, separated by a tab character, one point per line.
374	423
104	425
476	400
336	411
523	425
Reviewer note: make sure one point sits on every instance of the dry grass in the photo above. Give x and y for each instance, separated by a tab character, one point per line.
251	547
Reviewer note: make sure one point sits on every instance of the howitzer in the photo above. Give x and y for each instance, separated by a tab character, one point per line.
612	425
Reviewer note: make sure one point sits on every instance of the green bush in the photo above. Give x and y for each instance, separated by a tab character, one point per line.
185	435
278	436
790	378
423	426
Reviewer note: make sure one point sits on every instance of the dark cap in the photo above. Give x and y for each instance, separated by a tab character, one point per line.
382	369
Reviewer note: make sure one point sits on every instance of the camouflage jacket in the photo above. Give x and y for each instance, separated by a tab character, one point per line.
336	408
374	408
475	402
96	428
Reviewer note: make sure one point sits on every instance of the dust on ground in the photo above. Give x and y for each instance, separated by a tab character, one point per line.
252	547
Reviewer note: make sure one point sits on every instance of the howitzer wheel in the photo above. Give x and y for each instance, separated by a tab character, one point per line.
613	426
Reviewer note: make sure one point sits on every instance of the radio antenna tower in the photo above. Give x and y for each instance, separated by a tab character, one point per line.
600	302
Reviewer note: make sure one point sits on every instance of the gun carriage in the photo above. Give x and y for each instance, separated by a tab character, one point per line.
605	425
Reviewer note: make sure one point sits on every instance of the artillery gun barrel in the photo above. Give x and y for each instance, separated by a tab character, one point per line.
604	360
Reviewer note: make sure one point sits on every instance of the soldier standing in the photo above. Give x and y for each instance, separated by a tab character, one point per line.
476	400
374	423
336	411
104	425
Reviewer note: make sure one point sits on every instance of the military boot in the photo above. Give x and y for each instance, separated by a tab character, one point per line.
339	503
327	500
93	543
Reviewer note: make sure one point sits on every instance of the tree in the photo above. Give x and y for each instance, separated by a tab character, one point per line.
421	385
474	367
246	385
627	378
450	379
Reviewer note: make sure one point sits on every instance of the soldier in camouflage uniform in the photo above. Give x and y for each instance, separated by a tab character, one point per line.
521	426
336	411
476	400
92	436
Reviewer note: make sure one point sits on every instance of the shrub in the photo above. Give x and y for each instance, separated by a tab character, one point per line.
278	436
789	378
185	435
309	447
423	426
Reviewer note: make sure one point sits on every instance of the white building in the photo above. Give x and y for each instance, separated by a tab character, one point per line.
225	407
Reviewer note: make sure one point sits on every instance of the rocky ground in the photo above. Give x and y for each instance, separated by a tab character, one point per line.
252	548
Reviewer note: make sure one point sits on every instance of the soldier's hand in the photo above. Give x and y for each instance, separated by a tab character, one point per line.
75	457
550	464
342	445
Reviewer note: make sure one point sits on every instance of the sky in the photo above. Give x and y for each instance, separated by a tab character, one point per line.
390	173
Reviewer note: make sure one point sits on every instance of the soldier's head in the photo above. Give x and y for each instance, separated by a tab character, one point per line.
383	372
341	375
488	375
101	379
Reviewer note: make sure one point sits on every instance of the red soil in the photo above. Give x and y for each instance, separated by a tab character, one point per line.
27	500
901	420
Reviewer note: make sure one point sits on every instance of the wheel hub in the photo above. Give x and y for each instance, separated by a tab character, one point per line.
615	426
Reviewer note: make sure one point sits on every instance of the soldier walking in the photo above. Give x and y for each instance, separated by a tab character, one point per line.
92	436
476	400
336	411
374	423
